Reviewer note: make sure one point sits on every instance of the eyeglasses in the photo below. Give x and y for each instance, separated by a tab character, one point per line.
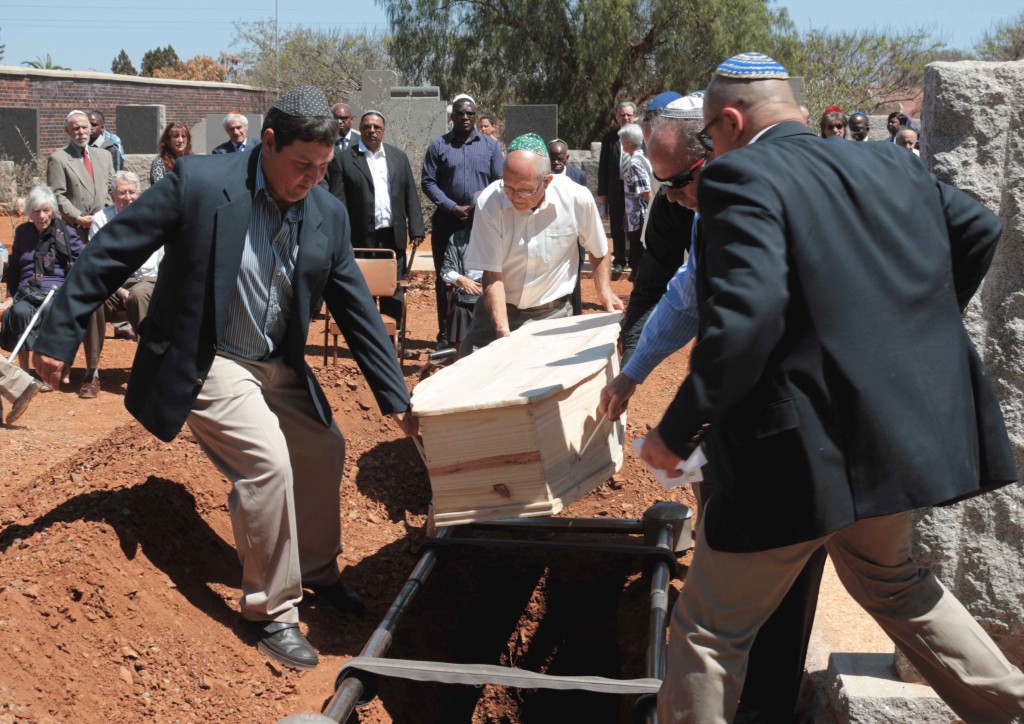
680	180
702	135
516	194
464	114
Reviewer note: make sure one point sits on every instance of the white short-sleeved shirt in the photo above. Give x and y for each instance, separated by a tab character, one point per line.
535	251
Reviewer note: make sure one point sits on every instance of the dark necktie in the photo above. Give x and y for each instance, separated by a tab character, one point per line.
88	163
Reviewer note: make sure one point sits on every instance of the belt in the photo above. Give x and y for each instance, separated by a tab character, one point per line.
560	302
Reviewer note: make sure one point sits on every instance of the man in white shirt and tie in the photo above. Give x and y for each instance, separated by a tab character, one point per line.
346	136
237	127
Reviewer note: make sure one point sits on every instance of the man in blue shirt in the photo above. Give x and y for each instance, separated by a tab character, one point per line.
456	165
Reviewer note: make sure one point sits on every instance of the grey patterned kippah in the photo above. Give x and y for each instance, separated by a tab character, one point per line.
752	66
373	112
689	107
306	101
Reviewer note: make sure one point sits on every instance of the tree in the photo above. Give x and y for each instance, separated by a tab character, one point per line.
861	70
3	48
158	58
584	55
329	59
42	63
202	67
122	65
1005	41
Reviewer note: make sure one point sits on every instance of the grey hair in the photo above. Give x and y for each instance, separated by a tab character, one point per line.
632	133
75	113
232	117
623	104
40	196
688	128
126	176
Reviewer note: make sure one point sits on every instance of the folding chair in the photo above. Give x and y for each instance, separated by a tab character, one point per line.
380	270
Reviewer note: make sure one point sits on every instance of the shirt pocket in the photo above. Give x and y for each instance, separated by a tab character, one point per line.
556	244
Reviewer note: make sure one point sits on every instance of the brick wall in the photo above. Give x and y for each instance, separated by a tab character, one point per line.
56	92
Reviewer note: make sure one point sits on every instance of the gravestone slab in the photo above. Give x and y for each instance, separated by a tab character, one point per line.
215	135
140	127
415	117
975	547
376	91
539	119
19	133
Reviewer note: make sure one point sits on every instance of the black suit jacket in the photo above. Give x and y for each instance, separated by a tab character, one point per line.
833	365
229	147
608	181
200	214
350	180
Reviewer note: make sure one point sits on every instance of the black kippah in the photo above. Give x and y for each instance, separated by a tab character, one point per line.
306	101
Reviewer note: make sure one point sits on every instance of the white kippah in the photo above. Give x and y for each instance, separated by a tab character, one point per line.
689	107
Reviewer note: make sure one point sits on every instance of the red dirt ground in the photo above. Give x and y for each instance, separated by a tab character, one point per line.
119	582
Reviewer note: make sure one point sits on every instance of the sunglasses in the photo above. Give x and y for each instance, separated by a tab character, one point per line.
703	137
680	180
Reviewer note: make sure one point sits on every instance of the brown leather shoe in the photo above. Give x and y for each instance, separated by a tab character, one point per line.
90	389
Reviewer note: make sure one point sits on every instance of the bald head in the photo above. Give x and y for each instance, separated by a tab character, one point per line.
525	178
742	108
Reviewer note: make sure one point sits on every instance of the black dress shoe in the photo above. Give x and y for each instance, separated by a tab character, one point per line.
283	642
21	404
341	597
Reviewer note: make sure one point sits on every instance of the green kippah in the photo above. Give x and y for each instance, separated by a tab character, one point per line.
529	142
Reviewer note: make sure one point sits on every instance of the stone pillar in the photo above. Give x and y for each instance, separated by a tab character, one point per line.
975	142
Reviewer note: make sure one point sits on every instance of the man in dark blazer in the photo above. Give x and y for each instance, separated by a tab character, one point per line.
356	176
237	127
252	246
834	388
609	183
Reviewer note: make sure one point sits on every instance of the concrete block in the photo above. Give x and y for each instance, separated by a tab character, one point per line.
974	143
140	127
864	688
19	134
139	164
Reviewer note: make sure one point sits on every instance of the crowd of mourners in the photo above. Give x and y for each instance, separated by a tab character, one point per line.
822	423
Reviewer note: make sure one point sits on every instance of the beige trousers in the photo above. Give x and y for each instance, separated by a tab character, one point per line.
136	306
256	423
13	380
727	596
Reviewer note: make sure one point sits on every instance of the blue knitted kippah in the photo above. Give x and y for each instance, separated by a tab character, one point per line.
752	66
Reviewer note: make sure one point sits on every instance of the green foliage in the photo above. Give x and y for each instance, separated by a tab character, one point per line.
329	59
1005	41
585	55
862	70
3	49
122	65
44	63
158	58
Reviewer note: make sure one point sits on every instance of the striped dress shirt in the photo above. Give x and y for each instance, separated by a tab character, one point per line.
262	301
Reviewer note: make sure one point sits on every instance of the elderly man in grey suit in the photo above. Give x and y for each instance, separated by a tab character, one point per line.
79	176
253	245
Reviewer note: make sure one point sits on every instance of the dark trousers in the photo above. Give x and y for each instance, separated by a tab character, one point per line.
636	249
617	221
442	226
482	332
775	668
385	239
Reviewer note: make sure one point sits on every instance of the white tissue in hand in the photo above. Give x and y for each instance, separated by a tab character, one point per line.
690	468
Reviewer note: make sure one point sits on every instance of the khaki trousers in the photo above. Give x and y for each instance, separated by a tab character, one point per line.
136	306
256	423
727	596
13	380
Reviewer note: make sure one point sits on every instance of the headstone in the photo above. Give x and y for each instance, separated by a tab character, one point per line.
214	134
975	547
539	119
140	127
376	91
415	117
19	133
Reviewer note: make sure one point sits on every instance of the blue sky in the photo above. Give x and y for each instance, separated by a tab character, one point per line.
194	27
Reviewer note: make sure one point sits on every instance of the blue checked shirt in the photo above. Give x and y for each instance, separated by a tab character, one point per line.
673	323
262	302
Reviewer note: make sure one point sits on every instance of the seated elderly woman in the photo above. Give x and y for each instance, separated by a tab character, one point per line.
833	122
175	142
636	183
44	250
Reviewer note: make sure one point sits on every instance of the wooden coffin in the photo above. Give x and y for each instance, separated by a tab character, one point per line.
512	430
